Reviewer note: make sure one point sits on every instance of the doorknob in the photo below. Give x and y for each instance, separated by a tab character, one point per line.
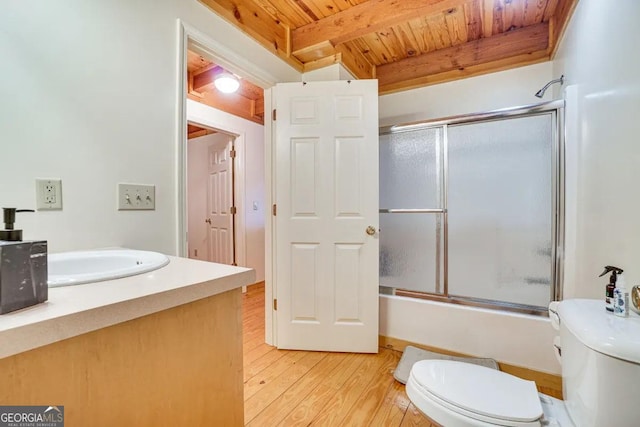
208	221
371	230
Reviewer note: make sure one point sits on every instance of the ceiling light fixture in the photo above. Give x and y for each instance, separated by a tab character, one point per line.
226	83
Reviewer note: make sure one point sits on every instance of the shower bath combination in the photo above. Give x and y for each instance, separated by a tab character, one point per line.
458	226
541	92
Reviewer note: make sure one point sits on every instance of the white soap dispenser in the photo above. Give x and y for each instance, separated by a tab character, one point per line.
621	298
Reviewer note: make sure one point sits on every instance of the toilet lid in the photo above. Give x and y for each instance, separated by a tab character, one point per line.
480	390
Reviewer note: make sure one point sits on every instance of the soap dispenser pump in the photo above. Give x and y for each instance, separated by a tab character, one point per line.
9	233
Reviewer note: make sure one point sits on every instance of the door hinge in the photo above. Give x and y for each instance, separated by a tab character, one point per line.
274	209
275	305
232	210
273	115
232	154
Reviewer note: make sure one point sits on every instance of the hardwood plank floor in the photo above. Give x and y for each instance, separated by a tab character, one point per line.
303	388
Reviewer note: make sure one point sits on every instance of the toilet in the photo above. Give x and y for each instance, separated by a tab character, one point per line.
600	357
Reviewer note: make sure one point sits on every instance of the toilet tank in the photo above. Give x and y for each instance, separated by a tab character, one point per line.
600	364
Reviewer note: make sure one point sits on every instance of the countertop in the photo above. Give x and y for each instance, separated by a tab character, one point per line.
75	310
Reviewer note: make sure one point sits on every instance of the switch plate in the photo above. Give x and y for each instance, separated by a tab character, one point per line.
48	194
136	197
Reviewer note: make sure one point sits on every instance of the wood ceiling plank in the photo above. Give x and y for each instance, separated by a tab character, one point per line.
325	8
487	17
365	49
473	14
518	42
376	48
513	14
255	21
195	62
456	25
285	13
355	62
314	15
559	23
437	26
498	23
250	91
390	45
550	10
471	71
427	36
534	11
411	44
365	18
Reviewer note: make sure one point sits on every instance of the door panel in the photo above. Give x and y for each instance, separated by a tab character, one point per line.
219	203
304	269
326	185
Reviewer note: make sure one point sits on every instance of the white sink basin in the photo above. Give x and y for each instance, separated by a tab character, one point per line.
76	268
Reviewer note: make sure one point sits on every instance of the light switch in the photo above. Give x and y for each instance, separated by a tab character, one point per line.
255	206
136	197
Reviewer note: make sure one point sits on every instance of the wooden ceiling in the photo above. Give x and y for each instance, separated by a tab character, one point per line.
247	102
194	131
403	43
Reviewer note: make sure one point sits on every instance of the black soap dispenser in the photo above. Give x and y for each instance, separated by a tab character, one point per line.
23	267
608	295
9	233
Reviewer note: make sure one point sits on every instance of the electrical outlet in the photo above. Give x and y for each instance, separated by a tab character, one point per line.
136	197
48	194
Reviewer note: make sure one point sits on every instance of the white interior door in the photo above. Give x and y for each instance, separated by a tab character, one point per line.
219	203
326	192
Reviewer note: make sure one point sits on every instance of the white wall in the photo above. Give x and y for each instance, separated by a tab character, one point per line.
329	73
516	339
88	94
504	89
197	192
250	175
598	56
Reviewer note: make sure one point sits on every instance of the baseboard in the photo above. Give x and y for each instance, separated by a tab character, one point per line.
548	384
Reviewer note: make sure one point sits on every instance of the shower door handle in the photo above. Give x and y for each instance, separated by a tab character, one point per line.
370	230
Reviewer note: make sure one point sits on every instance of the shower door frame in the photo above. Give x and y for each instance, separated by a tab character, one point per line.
556	108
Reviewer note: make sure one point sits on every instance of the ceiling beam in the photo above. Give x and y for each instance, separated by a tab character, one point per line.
524	43
205	78
365	18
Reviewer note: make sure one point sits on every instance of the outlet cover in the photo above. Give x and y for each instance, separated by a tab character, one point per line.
48	194
136	197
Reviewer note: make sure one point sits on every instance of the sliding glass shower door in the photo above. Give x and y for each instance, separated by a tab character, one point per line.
500	210
410	250
470	209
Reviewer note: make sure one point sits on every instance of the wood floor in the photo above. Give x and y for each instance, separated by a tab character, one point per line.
302	388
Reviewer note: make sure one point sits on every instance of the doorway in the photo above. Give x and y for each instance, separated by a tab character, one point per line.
211	195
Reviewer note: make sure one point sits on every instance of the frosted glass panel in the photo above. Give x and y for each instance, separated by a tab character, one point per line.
408	251
500	209
409	169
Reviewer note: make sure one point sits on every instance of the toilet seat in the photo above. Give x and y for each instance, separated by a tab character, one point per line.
462	394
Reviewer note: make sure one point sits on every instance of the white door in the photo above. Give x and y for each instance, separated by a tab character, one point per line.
326	192
220	202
